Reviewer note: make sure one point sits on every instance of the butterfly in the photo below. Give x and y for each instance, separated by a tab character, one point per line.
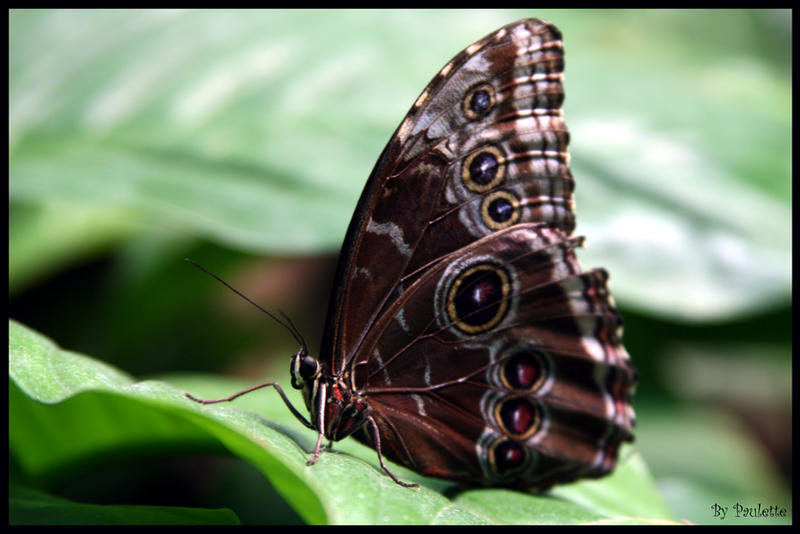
463	340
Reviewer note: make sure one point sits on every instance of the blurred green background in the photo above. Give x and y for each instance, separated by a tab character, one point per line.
242	139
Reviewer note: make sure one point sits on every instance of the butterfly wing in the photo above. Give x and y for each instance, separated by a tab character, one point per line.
459	310
502	363
484	147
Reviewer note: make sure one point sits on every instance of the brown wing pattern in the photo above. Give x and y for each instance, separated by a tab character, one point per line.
548	380
460	311
484	147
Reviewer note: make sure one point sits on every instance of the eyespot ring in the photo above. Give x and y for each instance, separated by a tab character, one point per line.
484	169
524	371
479	101
508	457
500	210
478	298
518	416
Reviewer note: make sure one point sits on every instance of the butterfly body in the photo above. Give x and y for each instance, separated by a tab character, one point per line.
463	339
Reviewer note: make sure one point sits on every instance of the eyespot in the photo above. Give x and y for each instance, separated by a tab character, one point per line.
479	101
518	416
524	372
500	210
508	456
478	299
483	169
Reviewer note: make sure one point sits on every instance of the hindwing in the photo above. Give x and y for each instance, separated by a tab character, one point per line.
502	363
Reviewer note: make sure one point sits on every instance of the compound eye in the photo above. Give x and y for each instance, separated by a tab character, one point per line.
309	368
304	369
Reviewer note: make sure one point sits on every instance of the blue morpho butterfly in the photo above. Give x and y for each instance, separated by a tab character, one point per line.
463	340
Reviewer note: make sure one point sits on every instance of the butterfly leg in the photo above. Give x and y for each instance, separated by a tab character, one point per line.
323	390
277	386
317	448
376	435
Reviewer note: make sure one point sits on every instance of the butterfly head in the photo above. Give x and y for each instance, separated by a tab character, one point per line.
335	408
305	369
307	375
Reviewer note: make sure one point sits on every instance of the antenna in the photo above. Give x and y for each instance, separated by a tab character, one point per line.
297	330
290	326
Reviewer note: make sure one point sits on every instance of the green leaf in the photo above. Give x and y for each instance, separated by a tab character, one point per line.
261	134
704	458
31	507
66	408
